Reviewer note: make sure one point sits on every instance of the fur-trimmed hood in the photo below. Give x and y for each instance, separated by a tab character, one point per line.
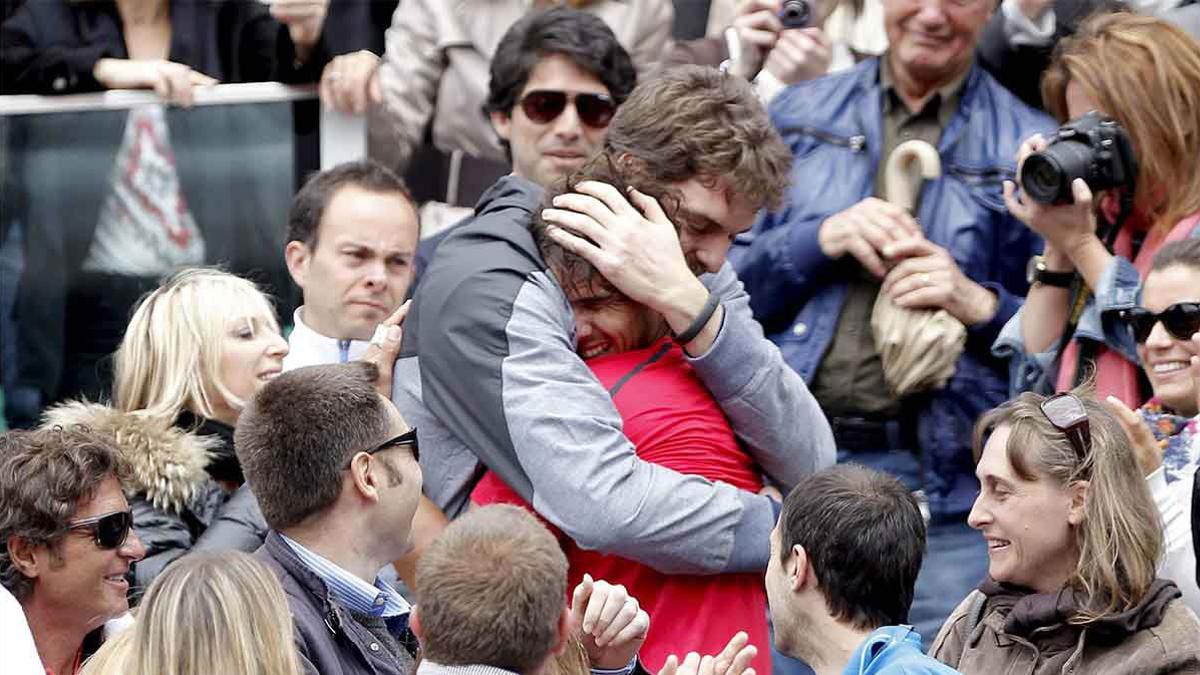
166	464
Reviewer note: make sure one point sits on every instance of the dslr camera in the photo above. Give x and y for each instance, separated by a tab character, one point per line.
795	14
1091	147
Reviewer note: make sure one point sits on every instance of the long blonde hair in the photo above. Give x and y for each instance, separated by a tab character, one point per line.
170	358
1145	73
1120	538
206	613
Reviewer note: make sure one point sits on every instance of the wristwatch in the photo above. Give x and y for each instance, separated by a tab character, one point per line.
1036	271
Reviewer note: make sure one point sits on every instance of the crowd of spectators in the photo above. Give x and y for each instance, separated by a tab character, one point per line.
639	412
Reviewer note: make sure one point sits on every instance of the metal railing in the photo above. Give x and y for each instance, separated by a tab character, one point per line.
72	165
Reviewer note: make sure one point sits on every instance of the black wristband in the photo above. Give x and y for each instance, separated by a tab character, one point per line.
701	320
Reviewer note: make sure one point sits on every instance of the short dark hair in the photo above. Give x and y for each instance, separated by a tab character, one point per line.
696	122
582	37
296	435
308	207
44	476
864	536
490	590
570	269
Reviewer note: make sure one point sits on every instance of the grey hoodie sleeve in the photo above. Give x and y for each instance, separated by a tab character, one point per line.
501	366
768	404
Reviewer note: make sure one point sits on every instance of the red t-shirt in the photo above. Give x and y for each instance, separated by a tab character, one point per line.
673	421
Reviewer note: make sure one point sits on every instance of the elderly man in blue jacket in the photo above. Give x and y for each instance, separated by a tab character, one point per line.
815	269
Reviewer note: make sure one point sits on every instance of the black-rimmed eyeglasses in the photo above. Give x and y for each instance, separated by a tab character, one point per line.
1068	414
109	530
408	438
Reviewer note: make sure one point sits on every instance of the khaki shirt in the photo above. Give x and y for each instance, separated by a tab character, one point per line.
850	380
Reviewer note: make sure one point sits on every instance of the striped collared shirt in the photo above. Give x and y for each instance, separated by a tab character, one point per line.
356	595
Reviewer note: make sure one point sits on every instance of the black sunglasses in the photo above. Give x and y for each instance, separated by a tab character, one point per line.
408	438
594	110
1067	414
109	530
1182	320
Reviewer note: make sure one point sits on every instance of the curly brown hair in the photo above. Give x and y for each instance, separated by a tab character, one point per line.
697	122
572	270
45	474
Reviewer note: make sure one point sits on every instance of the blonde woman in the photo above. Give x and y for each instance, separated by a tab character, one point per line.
209	613
1073	540
1145	74
197	348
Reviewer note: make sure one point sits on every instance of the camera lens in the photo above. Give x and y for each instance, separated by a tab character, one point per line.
795	14
1047	176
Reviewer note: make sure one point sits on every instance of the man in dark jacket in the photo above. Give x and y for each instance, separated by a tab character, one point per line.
334	468
815	269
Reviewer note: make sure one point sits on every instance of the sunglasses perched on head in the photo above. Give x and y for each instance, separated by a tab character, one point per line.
1067	413
109	531
543	105
408	438
1182	320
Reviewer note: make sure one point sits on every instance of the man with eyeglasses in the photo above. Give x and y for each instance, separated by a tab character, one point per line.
67	542
815	270
334	469
556	80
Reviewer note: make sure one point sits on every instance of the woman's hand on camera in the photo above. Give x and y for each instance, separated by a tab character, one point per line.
1063	226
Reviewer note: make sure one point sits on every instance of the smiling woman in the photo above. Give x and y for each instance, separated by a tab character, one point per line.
1073	540
196	350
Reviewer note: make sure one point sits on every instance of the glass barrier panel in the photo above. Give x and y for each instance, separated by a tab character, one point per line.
98	205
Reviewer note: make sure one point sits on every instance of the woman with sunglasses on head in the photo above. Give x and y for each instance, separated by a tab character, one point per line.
1073	541
197	348
1144	74
209	613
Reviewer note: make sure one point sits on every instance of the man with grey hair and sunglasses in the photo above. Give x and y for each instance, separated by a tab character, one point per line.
66	545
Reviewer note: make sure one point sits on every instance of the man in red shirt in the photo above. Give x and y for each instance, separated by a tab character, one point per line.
669	415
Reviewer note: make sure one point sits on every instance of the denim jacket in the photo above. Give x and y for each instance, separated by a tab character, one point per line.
1120	288
834	127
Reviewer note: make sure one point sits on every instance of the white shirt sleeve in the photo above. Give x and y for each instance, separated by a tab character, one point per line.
16	642
1020	30
1174	502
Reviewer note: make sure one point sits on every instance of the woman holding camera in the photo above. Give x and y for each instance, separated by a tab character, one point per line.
1073	541
1144	74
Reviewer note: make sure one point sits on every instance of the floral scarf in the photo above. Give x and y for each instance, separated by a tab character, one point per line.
1174	434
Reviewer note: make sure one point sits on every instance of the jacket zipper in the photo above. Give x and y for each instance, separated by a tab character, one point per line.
856	143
